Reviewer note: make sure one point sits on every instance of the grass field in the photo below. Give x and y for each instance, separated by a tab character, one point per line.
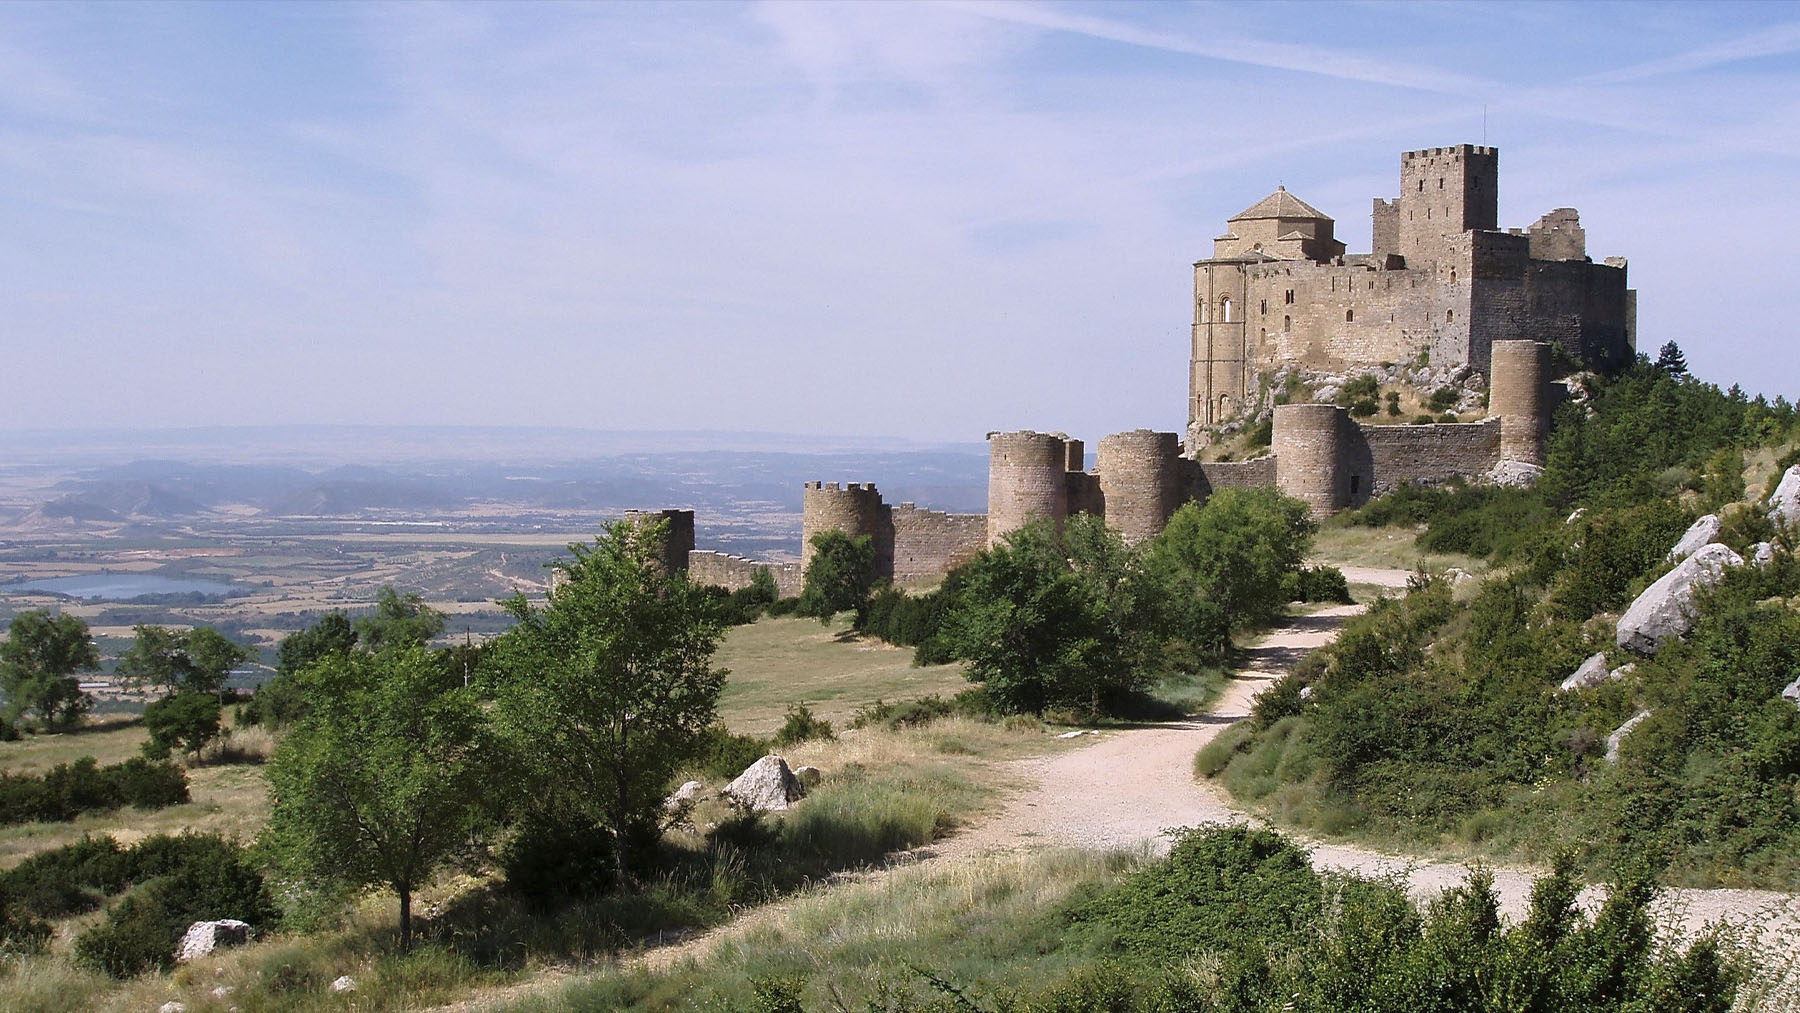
1393	547
777	662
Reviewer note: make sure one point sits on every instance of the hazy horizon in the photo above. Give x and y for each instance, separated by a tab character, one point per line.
919	221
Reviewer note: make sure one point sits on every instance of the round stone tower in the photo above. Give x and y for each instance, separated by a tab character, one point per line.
1140	479
1310	449
677	537
855	510
1027	476
1517	395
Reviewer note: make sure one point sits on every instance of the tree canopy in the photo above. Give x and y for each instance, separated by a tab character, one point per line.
839	577
607	689
190	661
38	663
387	776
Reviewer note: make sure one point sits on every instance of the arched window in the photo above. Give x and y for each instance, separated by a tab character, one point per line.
1224	405
1205	309
1449	315
1349	316
1225	309
1287	323
1453	276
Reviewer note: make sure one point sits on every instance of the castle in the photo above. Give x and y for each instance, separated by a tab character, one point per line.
1279	290
1442	281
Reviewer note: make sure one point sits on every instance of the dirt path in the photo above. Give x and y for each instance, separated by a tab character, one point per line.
1130	785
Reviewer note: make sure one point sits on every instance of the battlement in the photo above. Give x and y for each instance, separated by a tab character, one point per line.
1454	149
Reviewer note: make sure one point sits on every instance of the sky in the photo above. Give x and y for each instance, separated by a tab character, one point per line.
927	220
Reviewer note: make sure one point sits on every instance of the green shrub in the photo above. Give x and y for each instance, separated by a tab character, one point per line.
552	858
70	789
1443	399
183	879
801	725
726	755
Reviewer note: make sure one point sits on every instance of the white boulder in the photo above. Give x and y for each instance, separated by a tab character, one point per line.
1703	532
1591	673
1792	693
1762	554
202	938
766	785
1514	474
1784	505
1666	608
343	984
685	796
172	1007
1622	671
1619	733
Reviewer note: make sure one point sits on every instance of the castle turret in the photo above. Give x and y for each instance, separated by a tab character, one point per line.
1027	477
677	539
1311	443
1444	192
856	510
1141	480
1518	396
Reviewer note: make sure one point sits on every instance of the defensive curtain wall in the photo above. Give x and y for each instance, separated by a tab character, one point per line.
1319	455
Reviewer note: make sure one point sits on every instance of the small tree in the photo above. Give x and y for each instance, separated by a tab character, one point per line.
332	634
186	720
38	663
839	577
1034	631
191	661
1221	564
609	687
1670	360
385	779
399	620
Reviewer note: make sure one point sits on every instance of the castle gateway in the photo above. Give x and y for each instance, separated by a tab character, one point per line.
1442	281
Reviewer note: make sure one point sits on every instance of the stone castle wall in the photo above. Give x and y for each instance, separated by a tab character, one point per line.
1425	455
929	544
722	569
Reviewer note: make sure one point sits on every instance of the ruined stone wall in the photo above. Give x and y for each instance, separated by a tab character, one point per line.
1203	478
928	543
1141	481
1383	457
678	539
730	572
1085	495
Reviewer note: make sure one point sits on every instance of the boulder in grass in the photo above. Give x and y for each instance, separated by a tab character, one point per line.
1666	608
202	938
686	796
767	785
1591	673
1702	532
1617	738
343	984
809	777
1784	505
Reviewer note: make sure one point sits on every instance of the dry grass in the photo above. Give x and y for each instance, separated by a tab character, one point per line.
1392	547
777	662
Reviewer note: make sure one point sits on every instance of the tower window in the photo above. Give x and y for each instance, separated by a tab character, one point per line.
1225	309
1349	316
1421	186
1453	276
1449	315
1287	323
1265	306
1289	298
1440	182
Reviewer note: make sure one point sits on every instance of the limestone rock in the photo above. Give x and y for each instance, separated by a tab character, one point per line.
1784	505
202	938
343	984
1665	609
1792	693
1762	554
172	1007
809	777
1459	578
1622	671
767	785
1327	394
1703	532
1591	673
1514	474
1618	735
223	991
1577	515
687	795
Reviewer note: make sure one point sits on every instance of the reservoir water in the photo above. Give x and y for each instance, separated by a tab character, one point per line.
121	586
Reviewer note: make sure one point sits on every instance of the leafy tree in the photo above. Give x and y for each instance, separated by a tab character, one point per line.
332	634
1670	360
385	779
609	687
1034	631
1221	564
399	620
840	575
185	720
38	663
191	661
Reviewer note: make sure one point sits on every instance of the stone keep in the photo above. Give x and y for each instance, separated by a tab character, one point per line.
1441	280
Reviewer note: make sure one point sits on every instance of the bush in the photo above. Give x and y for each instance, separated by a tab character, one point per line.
185	720
70	789
1317	584
1443	399
186	879
552	859
802	725
725	755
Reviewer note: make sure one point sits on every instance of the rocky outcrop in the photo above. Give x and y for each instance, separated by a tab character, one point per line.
1591	673
1614	740
1784	505
1666	608
766	786
1792	693
202	938
1703	532
1762	554
686	796
1514	474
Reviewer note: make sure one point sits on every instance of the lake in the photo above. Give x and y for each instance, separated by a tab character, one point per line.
121	586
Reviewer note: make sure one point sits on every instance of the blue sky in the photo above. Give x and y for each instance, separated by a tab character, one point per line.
925	219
